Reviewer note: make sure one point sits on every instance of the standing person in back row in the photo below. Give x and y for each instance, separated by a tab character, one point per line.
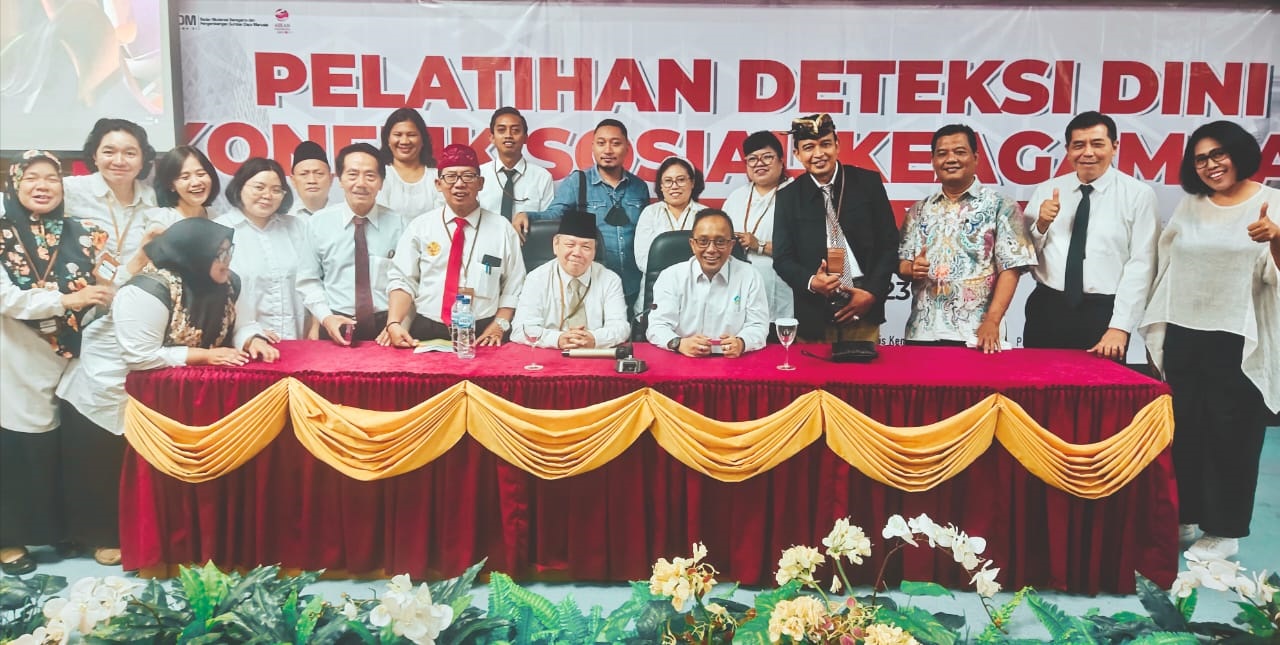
511	183
834	239
1095	233
613	194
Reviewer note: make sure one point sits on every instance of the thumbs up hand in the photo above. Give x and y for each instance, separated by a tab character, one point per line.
920	266
1264	229
1048	212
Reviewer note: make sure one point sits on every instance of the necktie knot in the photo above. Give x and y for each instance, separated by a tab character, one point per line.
459	224
1085	189
359	222
510	173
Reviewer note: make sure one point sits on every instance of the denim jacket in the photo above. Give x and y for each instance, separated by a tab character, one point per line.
618	253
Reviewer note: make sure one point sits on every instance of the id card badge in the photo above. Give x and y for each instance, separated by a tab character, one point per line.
835	260
107	268
468	292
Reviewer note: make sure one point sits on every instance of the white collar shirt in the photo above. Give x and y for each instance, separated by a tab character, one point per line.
492	263
327	273
89	199
533	187
1120	253
730	303
546	294
267	261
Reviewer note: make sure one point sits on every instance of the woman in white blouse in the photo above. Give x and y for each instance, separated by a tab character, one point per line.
186	185
271	245
1213	329
46	291
114	198
409	188
181	310
751	208
678	186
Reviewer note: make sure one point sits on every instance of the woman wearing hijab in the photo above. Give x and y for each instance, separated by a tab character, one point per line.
46	289
179	311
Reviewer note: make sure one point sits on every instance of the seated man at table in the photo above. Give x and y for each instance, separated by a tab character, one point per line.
572	301
712	304
342	274
963	248
461	249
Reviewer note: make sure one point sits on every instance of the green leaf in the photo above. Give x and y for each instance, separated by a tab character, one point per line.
616	624
924	589
1162	610
1255	618
950	621
919	623
1129	617
1063	628
306	624
447	592
1187	606
1166	638
756	630
653	619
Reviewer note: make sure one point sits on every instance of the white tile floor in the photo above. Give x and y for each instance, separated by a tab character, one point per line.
1259	551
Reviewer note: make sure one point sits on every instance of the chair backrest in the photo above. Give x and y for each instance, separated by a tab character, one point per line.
667	249
537	243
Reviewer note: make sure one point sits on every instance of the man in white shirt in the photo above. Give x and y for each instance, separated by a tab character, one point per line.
462	250
572	302
311	179
1095	232
342	275
512	184
713	304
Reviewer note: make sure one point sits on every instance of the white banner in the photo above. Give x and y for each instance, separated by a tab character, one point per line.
693	80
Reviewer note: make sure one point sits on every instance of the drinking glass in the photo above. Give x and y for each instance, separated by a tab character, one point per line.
786	329
532	334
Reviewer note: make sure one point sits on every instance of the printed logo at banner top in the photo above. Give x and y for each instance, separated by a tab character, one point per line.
282	15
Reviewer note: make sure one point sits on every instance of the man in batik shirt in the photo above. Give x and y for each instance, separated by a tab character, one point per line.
963	249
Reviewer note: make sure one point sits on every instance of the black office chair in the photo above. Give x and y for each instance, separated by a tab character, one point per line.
537	243
667	249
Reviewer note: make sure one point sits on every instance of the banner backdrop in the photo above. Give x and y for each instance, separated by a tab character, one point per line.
692	80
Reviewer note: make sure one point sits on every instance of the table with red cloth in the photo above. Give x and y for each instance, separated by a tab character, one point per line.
285	506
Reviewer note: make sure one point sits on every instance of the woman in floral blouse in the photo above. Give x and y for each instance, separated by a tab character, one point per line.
181	310
47	288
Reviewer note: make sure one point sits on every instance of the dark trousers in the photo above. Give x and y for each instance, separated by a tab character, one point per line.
91	462
379	321
1219	421
1052	323
424	328
30	488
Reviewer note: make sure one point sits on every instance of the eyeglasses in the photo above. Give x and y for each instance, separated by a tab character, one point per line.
1218	155
258	189
224	256
761	160
467	178
672	182
719	242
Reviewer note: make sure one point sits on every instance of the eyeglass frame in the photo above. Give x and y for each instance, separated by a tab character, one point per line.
1217	155
767	159
467	178
720	243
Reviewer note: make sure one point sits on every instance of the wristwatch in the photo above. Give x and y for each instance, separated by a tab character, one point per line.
674	344
503	324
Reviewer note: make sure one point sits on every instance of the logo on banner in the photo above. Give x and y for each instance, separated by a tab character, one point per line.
188	22
282	21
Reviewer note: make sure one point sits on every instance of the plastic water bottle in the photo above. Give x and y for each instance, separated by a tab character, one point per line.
464	328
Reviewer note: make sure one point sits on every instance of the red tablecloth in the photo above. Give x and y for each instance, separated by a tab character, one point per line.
286	507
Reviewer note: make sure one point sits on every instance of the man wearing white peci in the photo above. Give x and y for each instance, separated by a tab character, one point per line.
572	301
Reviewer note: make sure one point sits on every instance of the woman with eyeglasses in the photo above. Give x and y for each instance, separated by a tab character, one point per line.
751	208
409	188
114	198
47	288
181	310
270	244
678	186
1212	328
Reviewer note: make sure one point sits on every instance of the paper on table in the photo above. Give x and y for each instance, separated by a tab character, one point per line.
972	343
433	345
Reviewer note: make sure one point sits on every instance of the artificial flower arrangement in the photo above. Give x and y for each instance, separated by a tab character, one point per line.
678	604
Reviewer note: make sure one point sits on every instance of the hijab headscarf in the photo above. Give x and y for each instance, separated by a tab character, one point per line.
51	252
187	249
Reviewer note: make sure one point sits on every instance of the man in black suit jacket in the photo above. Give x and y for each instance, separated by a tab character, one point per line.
835	305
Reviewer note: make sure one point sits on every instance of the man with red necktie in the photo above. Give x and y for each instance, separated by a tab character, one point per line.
458	249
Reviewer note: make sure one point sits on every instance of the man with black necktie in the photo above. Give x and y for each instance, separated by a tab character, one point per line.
511	183
342	275
834	215
1095	232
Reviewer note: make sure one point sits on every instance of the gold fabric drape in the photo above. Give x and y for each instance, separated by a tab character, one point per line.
551	444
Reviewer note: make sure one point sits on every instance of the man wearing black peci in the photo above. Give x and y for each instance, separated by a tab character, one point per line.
834	239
